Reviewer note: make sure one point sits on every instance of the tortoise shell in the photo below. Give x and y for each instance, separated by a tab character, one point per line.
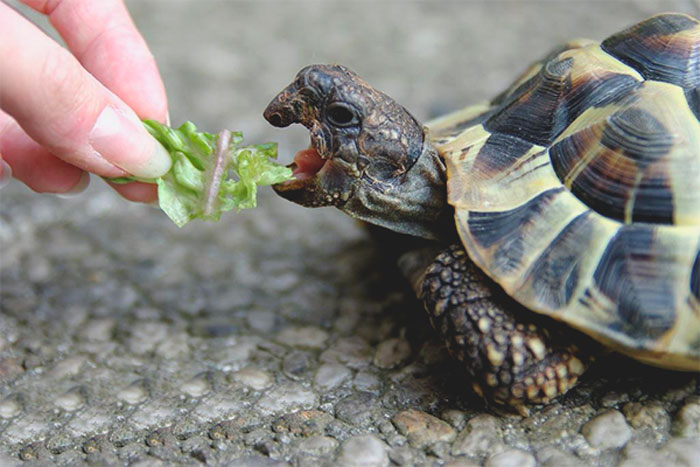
578	188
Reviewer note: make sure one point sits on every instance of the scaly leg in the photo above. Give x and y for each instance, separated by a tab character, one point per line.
512	360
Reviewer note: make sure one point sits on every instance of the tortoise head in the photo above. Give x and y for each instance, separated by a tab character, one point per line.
368	156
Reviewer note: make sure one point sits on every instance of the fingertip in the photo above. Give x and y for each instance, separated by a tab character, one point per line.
35	166
137	192
80	186
112	49
120	138
5	173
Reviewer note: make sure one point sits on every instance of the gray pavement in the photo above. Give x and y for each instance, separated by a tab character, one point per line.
281	335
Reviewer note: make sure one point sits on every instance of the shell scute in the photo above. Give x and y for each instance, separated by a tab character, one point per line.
695	279
544	106
505	240
618	158
556	274
627	274
654	198
499	152
663	48
693	98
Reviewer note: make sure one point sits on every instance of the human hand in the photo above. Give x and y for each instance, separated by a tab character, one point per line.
64	114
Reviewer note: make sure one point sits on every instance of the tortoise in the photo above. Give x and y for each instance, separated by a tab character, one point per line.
572	197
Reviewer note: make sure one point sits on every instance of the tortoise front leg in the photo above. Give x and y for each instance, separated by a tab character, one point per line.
512	360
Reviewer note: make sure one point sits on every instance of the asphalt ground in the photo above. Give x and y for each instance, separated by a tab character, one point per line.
283	335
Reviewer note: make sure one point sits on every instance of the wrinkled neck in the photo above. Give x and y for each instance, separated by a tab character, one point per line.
414	204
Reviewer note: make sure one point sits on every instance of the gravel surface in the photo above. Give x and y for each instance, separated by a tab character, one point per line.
282	335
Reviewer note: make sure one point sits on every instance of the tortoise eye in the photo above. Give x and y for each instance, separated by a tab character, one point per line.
341	115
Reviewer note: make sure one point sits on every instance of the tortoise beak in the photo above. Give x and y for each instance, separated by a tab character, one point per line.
301	192
284	108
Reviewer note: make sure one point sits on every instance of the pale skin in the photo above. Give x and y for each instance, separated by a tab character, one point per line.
69	112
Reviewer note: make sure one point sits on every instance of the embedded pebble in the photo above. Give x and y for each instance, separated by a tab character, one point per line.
27	427
59	442
686	451
296	365
213	326
303	337
10	407
135	393
253	378
38	269
347	321
353	352
422	429
146	336
402	455
391	353
367	381
552	457
10	368
285	398
176	345
363	451
687	420
357	409
197	386
153	413
68	367
454	417
648	415
330	376
6	460
460	463
229	357
256	461
68	457
218	405
511	458
303	422
320	446
91	420
433	352
607	430
70	401
99	329
480	437
614	399
641	456
185	428
262	321
282	282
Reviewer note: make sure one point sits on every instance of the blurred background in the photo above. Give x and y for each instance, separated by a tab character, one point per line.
224	60
280	334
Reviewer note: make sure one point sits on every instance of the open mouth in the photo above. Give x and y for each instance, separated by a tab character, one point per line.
305	168
307	163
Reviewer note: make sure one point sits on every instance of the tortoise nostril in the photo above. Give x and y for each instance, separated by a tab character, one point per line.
275	120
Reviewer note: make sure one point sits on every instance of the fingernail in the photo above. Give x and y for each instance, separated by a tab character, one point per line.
124	142
5	173
78	188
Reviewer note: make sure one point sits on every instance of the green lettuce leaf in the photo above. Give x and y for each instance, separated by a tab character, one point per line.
210	173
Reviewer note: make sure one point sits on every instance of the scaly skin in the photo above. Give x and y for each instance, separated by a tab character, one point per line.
512	360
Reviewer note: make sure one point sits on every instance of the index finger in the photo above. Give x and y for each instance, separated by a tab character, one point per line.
65	109
104	39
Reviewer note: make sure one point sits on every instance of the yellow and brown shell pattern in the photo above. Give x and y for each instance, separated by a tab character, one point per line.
578	189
